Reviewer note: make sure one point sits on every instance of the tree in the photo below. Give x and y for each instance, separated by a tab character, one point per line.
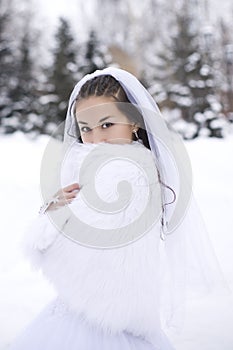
64	67
187	79
20	73
25	94
94	56
7	62
226	67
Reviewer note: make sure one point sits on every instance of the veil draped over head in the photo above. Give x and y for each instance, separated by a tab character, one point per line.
189	265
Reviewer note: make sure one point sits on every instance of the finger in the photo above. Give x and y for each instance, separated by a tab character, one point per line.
71	187
68	195
71	195
60	204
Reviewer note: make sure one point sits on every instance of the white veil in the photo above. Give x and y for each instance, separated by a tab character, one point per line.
189	265
163	142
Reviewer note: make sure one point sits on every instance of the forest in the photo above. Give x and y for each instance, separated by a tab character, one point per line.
184	59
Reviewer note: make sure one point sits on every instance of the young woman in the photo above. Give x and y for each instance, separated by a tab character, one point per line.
121	240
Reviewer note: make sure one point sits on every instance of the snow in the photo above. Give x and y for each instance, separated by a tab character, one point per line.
24	292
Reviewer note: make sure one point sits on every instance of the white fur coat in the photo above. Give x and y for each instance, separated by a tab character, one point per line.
118	289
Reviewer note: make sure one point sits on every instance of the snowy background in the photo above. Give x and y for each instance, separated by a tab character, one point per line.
29	101
24	292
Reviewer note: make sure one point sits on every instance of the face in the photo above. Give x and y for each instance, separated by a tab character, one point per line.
100	120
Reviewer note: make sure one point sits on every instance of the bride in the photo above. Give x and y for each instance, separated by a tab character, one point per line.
121	240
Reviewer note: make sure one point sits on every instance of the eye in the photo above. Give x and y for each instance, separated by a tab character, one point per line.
108	124
85	127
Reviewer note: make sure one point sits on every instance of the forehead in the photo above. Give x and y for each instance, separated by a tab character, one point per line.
95	108
93	101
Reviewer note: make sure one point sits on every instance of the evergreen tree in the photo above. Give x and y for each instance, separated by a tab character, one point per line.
61	77
226	67
25	94
7	64
71	62
21	112
186	77
94	57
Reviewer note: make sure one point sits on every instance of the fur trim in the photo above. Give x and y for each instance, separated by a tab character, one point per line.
116	288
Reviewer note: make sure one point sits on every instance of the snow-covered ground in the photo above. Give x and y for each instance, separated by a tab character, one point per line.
24	292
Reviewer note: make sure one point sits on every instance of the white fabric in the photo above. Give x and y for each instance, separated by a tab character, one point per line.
122	289
115	289
58	328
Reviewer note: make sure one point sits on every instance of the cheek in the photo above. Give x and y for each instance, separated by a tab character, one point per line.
85	137
125	129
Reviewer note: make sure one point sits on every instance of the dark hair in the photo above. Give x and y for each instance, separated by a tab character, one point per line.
106	85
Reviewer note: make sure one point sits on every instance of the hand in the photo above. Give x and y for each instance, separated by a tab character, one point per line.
65	196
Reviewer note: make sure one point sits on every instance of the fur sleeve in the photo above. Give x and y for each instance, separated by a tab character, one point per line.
38	237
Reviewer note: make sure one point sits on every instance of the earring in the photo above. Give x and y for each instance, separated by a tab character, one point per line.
136	135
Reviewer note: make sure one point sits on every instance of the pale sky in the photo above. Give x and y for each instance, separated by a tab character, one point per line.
53	9
71	8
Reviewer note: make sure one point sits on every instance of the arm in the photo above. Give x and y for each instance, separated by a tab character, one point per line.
62	197
42	231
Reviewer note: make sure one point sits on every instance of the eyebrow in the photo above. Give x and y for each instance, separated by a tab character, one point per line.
101	120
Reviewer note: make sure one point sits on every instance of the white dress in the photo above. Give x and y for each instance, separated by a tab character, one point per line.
58	328
106	298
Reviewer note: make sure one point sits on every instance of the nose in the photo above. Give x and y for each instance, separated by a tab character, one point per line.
97	136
